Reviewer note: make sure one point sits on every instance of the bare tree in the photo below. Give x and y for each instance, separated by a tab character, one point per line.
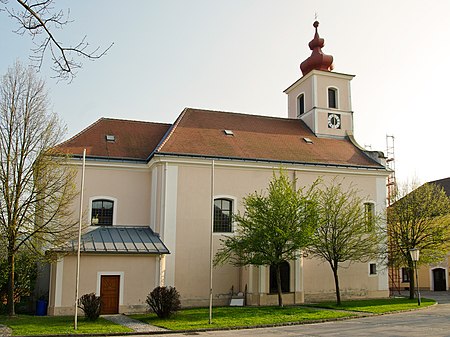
420	219
36	184
39	19
347	232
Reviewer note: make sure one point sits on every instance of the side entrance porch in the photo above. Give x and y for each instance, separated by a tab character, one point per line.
120	264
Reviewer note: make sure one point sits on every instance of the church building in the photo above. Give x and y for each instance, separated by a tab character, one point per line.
149	189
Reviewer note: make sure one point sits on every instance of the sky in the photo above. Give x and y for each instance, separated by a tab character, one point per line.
239	56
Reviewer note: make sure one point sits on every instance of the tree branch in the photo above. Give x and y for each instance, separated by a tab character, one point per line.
36	18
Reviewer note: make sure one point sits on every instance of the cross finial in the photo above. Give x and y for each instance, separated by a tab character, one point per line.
316	16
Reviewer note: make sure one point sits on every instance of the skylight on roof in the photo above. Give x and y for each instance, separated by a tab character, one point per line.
229	132
308	140
110	138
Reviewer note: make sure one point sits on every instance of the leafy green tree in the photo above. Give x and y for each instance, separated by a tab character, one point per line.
419	219
274	228
24	278
346	231
36	184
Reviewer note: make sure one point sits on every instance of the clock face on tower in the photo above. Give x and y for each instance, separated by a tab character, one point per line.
334	121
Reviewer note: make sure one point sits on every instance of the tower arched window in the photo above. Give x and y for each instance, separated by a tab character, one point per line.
332	98
285	272
223	212
300	105
102	212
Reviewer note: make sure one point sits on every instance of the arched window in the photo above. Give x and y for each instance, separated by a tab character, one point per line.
332	98
285	272
300	105
102	212
223	212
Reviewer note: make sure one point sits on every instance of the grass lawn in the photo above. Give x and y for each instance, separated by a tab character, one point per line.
377	306
48	325
224	317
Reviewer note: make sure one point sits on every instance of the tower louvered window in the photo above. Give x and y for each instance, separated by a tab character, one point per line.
300	105
332	98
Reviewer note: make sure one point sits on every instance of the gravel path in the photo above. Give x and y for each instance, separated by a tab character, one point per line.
131	323
5	331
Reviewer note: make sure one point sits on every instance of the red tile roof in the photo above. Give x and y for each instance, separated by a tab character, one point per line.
201	133
133	139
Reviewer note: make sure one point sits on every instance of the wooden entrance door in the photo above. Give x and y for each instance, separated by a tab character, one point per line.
439	279
109	292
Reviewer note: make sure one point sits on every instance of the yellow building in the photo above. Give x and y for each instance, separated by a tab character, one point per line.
149	187
431	276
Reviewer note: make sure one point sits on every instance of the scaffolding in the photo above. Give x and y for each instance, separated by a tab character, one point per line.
390	162
394	273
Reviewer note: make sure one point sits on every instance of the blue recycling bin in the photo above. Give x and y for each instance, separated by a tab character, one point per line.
41	308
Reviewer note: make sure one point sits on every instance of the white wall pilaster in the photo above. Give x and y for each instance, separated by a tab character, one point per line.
262	280
58	282
169	224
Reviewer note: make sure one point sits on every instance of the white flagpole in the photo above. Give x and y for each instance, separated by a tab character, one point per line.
211	246
79	241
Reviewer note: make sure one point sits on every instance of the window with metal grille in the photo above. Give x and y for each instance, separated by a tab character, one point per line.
102	212
223	211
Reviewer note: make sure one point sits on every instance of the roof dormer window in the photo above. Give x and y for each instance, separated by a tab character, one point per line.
110	138
228	132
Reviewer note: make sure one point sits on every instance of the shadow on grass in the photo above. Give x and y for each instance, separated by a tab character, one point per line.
376	306
51	325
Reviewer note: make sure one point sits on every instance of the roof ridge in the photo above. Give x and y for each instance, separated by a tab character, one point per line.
81	132
436	180
111	119
132	120
364	151
170	132
242	114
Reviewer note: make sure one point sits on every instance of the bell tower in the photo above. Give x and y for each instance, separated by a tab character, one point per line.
321	98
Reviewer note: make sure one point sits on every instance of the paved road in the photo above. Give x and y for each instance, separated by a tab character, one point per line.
434	321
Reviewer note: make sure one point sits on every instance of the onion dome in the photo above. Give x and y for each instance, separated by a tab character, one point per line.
318	60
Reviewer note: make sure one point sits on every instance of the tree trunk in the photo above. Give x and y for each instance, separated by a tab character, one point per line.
336	284
280	294
10	287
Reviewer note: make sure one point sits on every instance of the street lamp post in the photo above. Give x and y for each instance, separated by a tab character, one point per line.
415	257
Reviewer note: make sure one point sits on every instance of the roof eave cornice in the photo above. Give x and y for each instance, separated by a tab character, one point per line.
379	167
318	72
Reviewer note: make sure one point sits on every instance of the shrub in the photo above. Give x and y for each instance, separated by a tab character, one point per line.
91	306
164	301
